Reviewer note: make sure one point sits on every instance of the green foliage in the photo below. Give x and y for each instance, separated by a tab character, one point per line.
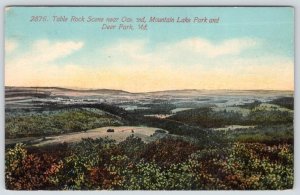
132	147
87	159
14	157
251	105
207	118
272	134
94	152
157	107
196	158
286	102
138	176
168	164
24	171
50	123
269	117
260	166
166	152
191	156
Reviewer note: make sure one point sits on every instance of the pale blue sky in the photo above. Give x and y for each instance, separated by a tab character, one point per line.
266	31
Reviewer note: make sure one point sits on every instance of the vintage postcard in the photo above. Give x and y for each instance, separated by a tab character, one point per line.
149	98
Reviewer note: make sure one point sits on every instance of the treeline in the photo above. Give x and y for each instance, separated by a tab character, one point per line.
208	118
162	107
270	134
286	102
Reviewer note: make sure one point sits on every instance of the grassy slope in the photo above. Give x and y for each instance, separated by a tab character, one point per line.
57	122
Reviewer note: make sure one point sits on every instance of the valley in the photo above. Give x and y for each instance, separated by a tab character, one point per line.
207	139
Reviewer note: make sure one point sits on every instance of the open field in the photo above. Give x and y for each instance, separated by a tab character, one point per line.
119	134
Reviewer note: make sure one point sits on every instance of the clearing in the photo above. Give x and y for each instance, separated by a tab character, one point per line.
120	133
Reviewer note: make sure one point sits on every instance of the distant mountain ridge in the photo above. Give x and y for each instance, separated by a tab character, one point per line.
163	92
12	88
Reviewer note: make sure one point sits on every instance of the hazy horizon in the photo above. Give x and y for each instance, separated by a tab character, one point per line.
164	90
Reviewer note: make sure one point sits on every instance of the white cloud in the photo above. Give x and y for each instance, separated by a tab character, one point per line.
37	59
187	52
130	52
209	49
42	53
133	66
